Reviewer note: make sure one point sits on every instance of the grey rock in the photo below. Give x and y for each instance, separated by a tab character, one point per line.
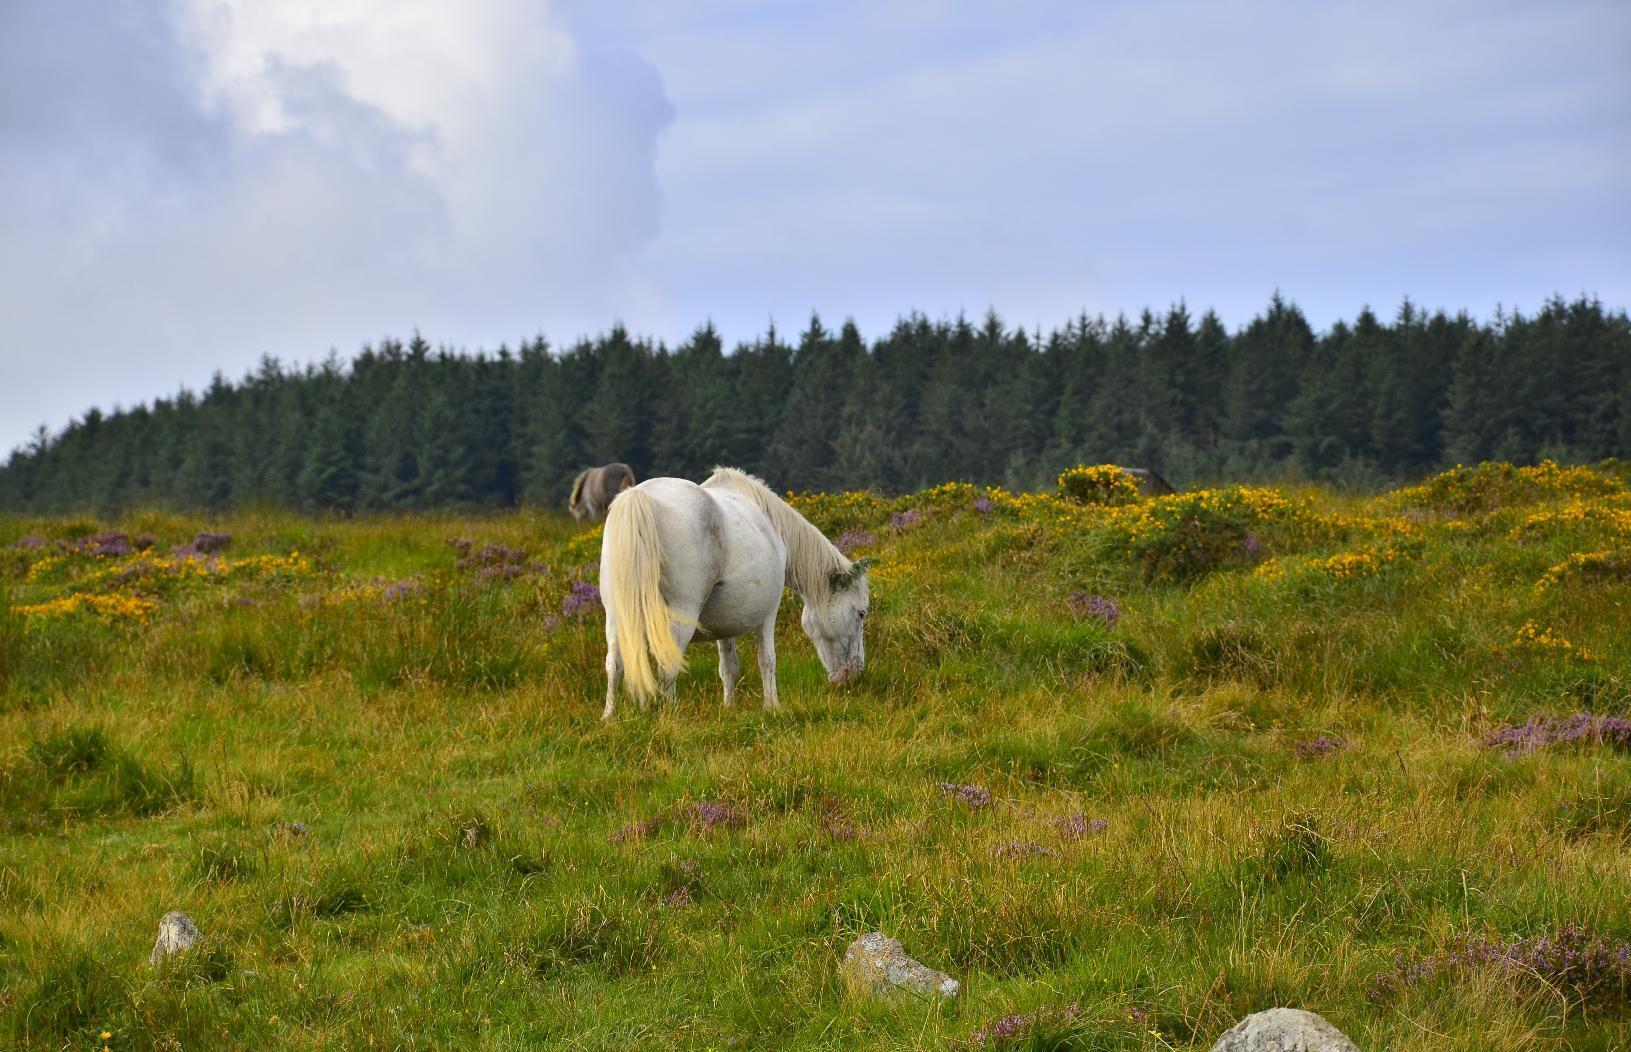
177	934
877	966
1284	1030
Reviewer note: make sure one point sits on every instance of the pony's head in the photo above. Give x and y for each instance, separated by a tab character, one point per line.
574	503
836	622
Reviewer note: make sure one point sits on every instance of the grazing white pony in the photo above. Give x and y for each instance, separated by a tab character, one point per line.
681	561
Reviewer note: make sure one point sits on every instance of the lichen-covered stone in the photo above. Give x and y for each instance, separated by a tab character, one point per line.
876	966
177	934
1284	1030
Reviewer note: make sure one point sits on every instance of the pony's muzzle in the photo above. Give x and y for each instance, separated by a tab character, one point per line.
844	674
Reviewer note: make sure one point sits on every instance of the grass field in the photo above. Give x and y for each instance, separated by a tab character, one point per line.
1128	770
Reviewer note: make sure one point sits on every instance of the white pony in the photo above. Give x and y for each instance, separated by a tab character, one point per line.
681	561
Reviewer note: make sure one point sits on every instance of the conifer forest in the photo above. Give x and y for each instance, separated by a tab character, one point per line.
406	426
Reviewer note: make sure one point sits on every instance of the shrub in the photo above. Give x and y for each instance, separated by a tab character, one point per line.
1103	484
1485	487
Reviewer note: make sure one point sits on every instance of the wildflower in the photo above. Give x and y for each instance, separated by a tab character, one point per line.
1315	748
905	520
984	505
1019	850
1587	966
581	601
111	545
1104	484
1093	607
974	796
400	589
851	541
1076	826
1533	639
709	814
1009	1029
640	828
1583	727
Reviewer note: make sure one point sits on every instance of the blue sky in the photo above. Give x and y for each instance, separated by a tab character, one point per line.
189	185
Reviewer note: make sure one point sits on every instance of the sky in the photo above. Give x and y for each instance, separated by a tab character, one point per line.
187	185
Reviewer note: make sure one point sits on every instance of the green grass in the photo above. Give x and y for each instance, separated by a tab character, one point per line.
400	822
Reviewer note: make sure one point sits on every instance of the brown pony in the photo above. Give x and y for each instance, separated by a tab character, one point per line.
594	488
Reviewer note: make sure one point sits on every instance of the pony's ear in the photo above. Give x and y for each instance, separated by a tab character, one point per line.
842	579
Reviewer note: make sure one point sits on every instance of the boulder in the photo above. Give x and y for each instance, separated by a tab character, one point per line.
1284	1030
177	934
876	966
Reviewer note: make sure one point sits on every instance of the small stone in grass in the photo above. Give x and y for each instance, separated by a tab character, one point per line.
177	934
1284	1030
877	967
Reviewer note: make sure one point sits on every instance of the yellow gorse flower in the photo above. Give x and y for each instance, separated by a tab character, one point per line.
106	607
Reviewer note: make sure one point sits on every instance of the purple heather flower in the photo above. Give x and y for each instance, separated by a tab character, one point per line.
405	587
1019	850
709	814
973	795
679	898
1076	826
1005	1030
581	601
640	828
983	505
1540	731
1583	964
1252	547
1314	748
1094	607
111	545
207	543
853	540
903	520
31	541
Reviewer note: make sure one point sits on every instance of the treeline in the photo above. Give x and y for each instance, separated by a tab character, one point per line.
405	426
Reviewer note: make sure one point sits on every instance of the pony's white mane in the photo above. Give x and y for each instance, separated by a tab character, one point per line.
811	558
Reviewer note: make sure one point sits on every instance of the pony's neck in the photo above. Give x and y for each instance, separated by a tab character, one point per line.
811	558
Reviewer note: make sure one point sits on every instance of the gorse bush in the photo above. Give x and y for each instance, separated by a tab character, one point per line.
1487	487
1104	484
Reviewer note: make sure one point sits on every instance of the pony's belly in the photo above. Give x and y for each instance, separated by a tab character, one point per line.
737	608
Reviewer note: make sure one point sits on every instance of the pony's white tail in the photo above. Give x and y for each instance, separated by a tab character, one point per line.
640	615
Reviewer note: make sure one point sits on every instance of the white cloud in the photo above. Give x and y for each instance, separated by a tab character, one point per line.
308	176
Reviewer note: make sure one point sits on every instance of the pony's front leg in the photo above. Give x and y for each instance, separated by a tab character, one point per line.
730	668
767	662
614	669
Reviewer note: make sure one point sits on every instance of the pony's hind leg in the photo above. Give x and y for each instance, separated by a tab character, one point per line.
614	669
766	653
730	669
683	627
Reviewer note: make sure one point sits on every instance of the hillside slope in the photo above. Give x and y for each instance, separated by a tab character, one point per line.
1128	769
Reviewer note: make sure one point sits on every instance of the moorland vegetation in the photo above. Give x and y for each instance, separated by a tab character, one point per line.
1129	769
